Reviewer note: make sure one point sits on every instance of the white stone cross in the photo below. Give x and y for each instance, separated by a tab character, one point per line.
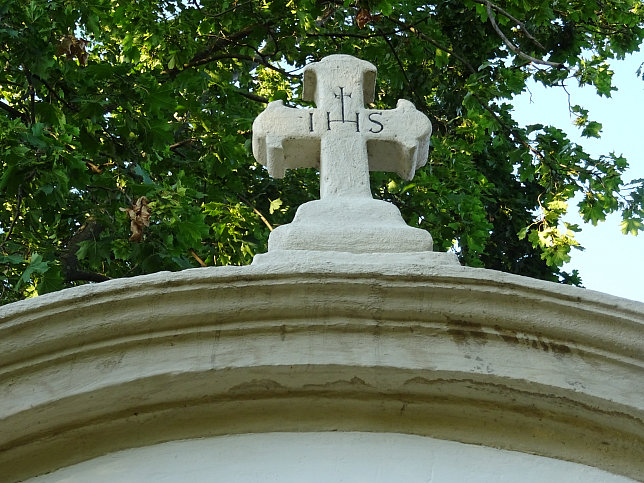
340	137
344	140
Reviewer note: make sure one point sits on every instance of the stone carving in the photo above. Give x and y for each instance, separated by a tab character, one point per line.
340	137
344	140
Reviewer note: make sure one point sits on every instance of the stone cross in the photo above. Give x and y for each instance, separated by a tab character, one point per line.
344	140
340	137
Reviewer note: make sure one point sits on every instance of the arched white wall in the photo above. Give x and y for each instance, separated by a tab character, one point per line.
324	458
446	352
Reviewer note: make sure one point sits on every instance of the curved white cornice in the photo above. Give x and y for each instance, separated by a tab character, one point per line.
464	354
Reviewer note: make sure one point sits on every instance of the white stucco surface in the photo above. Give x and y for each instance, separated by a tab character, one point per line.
325	457
308	345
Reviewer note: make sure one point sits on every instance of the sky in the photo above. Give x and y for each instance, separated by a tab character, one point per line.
611	262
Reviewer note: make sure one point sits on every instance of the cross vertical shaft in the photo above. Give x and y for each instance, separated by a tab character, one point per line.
338	96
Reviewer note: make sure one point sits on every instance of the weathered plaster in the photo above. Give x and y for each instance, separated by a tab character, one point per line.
455	353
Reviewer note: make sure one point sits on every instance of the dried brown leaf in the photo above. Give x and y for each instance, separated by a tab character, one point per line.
71	47
139	214
363	17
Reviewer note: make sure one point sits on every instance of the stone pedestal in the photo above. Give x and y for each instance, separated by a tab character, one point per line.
356	225
354	231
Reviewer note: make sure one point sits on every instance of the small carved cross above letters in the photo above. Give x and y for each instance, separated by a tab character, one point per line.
340	137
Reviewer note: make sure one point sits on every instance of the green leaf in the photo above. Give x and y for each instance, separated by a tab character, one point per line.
481	11
138	170
36	266
37	136
49	114
50	281
274	205
592	130
386	7
11	259
192	229
441	58
121	249
632	226
84	248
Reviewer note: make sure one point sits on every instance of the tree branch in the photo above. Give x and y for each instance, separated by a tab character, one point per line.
15	217
207	55
82	276
412	93
15	113
90	230
231	9
54	93
257	212
517	137
181	143
426	38
260	59
197	257
514	19
351	34
257	59
253	97
32	96
513	47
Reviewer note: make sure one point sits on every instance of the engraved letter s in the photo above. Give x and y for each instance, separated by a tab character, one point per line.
378	123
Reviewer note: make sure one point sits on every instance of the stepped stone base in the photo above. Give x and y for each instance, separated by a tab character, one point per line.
355	225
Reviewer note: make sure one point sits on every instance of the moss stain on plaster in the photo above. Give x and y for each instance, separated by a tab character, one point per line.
462	332
514	338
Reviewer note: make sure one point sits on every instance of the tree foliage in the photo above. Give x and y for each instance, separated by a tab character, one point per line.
118	116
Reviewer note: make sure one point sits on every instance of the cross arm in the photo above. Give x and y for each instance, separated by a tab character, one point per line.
283	139
391	149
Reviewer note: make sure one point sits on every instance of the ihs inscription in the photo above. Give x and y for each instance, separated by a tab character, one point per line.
375	127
